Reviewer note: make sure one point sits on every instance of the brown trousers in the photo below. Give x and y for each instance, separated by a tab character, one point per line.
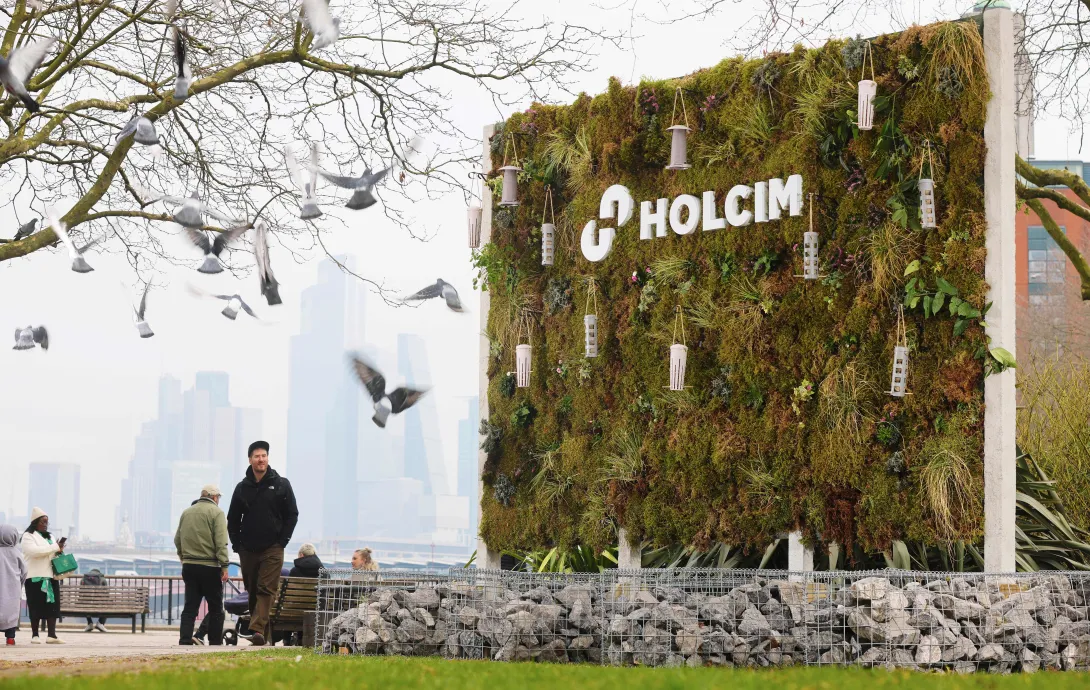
261	576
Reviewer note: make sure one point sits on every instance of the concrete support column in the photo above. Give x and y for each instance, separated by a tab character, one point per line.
800	558
999	271
486	558
629	556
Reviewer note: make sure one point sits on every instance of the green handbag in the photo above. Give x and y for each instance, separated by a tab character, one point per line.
64	563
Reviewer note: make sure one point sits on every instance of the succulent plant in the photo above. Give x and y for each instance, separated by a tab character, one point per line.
504	490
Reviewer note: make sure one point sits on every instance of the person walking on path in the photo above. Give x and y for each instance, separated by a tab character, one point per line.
201	541
261	520
307	564
42	588
12	575
94	578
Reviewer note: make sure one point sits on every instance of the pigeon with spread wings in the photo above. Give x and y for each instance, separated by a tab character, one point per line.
325	28
17	67
234	302
213	248
184	76
308	206
269	286
400	399
142	326
79	264
441	288
26	338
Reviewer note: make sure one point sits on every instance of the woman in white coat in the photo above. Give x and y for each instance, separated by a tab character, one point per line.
42	588
12	575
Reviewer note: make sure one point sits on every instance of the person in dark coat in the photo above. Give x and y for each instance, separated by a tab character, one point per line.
94	578
260	523
308	564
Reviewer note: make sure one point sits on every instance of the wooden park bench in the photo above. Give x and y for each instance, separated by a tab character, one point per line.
294	608
108	601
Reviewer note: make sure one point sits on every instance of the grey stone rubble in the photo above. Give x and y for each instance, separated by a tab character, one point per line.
962	624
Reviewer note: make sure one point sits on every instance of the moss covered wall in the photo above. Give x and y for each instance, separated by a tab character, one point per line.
785	422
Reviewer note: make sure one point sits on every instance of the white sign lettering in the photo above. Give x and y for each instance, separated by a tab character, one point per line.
687	211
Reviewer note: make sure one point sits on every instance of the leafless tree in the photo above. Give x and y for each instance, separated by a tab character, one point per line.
257	85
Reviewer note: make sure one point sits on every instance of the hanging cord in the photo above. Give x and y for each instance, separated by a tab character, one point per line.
928	158
679	320
678	94
523	329
811	203
510	143
592	296
902	335
547	206
867	50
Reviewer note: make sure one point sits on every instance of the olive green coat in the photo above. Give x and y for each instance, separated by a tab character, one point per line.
201	538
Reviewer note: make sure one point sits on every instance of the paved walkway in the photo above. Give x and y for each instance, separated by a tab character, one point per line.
116	644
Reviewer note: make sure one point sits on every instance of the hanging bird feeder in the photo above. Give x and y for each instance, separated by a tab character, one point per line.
679	136
868	89
523	354
548	230
679	352
590	322
928	211
474	215
510	193
810	249
898	387
145	132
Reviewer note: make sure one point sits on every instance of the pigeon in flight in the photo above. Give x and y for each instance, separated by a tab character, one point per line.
79	264
190	211
234	302
361	186
269	286
17	67
25	230
441	288
26	338
325	28
142	130
142	326
185	75
308	207
212	249
400	399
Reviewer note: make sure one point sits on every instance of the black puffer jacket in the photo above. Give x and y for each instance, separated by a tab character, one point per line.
262	513
307	566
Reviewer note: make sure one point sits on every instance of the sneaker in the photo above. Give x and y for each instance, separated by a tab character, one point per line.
198	641
54	640
257	639
100	627
90	627
11	642
35	640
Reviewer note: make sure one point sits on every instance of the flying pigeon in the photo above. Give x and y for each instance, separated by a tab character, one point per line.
142	130
361	186
443	289
17	67
308	207
269	286
25	338
142	326
325	28
190	211
25	230
213	249
234	303
79	264
400	399
185	75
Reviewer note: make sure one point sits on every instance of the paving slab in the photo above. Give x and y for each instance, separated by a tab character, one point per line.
98	645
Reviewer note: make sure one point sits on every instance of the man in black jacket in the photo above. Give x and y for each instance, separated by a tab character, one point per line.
260	522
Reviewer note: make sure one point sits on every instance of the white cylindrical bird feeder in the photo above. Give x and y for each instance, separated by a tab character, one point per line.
679	148
678	354
522	365
510	193
810	255
590	334
474	215
928	217
898	386
548	230
868	89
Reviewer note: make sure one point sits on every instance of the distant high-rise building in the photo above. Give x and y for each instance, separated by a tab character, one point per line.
186	480
54	487
468	439
324	404
423	449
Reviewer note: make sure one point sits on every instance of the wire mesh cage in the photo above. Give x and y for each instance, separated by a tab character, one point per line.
382	612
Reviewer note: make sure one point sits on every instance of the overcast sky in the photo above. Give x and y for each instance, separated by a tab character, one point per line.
85	399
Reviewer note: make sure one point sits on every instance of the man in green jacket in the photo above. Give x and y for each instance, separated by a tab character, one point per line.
201	541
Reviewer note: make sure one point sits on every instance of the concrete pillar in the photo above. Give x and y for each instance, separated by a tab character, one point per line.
629	556
999	271
800	558
486	558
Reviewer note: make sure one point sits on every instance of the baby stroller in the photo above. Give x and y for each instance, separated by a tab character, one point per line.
239	607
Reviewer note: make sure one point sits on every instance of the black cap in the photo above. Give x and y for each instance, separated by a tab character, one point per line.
263	445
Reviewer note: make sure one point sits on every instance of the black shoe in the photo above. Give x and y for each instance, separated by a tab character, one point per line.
187	643
257	639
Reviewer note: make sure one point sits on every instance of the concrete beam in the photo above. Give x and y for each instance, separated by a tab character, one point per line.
629	556
999	271
800	558
486	558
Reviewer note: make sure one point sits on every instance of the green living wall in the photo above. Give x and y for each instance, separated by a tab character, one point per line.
786	422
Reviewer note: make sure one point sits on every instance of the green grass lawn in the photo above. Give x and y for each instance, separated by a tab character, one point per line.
278	669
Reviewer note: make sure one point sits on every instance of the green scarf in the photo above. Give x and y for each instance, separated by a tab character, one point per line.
46	587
